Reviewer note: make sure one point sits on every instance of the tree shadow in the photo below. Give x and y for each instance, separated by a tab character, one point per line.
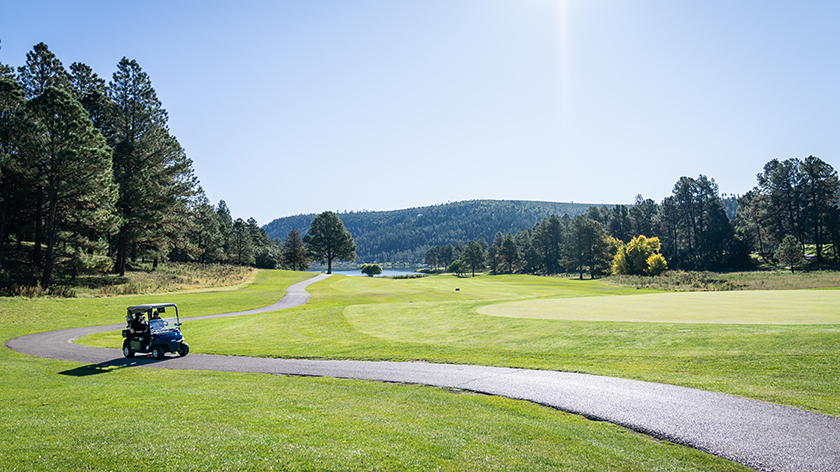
109	366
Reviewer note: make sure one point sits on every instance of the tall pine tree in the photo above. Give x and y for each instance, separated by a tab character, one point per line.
328	239
155	177
12	124
294	254
75	162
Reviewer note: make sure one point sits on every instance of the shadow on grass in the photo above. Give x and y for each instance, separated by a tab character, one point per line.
110	366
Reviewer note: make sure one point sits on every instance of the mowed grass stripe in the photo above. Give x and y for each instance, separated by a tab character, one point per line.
744	307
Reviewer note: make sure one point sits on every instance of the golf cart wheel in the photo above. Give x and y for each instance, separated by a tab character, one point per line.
184	349
127	351
158	352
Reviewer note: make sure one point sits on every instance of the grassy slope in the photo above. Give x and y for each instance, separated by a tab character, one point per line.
59	417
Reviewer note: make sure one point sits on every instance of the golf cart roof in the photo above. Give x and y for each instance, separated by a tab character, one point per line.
150	306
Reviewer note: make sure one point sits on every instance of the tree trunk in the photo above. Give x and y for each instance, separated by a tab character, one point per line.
36	254
122	250
2	231
48	260
817	239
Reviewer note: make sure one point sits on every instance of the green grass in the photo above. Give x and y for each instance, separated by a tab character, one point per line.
427	319
62	416
24	315
155	419
742	307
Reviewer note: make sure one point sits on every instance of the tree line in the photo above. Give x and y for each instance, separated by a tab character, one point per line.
404	236
92	180
794	200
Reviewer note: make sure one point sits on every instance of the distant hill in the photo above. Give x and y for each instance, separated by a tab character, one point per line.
406	235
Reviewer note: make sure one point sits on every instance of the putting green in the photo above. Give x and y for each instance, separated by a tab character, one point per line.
741	307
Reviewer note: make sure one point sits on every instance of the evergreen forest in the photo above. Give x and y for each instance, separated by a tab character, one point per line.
92	181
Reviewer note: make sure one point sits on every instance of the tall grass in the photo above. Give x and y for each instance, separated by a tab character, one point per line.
35	291
684	281
143	279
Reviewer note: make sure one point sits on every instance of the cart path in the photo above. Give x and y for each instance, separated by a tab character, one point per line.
760	435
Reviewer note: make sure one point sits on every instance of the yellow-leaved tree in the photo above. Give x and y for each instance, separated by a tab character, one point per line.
639	257
656	264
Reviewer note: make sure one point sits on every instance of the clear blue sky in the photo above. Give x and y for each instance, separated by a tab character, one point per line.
291	107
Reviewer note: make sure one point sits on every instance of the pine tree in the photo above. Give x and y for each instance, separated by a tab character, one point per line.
80	193
242	245
12	125
225	229
819	189
206	235
89	89
587	247
155	177
474	256
328	239
41	71
510	254
642	215
789	252
779	183
294	253
548	242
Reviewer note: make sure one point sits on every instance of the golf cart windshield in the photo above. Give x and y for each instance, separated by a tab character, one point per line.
159	316
163	325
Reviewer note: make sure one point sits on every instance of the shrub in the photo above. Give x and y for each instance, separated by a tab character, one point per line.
457	267
371	269
656	264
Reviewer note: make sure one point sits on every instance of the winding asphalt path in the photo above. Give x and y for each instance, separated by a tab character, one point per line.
760	435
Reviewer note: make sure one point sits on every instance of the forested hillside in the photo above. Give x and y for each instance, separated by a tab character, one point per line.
406	235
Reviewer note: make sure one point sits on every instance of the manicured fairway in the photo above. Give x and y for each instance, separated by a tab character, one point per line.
64	416
58	416
429	320
764	307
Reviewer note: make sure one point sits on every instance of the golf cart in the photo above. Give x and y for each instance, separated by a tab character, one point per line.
150	329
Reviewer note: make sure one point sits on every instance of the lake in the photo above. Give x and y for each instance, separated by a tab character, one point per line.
385	272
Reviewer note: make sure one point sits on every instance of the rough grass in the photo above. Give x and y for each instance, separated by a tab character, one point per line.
65	416
169	277
683	281
142	279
